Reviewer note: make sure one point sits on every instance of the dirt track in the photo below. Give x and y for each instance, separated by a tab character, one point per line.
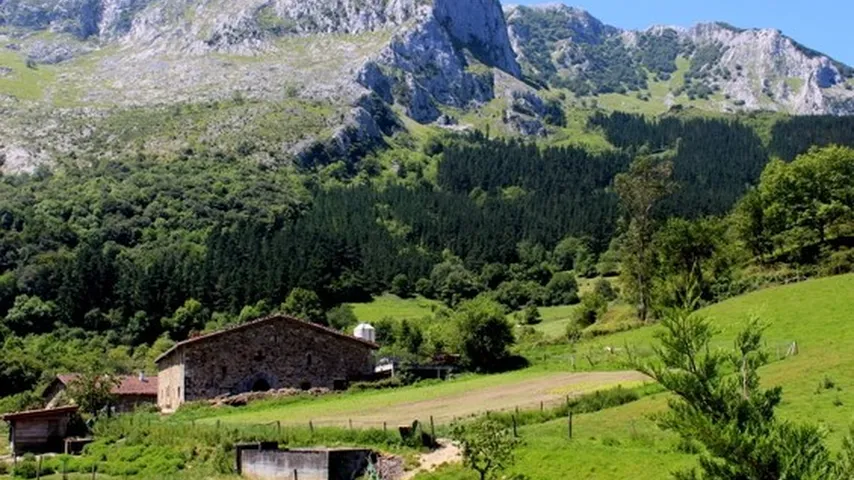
528	394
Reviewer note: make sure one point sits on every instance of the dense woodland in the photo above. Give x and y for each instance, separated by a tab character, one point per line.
112	260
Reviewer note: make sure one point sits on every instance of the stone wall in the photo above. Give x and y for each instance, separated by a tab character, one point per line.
270	355
170	382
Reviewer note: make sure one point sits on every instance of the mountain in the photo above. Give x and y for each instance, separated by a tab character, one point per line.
170	75
283	81
731	68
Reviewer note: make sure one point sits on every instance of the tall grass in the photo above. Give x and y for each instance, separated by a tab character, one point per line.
145	446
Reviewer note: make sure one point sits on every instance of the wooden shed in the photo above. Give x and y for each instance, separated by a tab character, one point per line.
39	431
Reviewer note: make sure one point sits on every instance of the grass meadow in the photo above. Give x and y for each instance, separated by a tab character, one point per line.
624	442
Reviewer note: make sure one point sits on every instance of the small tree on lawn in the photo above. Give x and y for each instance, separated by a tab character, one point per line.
487	446
718	402
93	391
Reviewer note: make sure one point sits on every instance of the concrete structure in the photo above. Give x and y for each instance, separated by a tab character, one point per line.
366	332
302	464
131	392
270	353
39	431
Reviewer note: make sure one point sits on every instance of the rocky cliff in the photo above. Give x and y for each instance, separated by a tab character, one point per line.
335	54
727	68
173	76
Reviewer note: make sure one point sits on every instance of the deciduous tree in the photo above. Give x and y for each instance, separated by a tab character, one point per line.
487	446
640	189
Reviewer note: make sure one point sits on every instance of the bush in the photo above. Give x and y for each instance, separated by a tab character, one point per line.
562	289
4	468
515	294
342	317
401	286
393	382
839	262
605	289
531	315
593	306
573	332
26	468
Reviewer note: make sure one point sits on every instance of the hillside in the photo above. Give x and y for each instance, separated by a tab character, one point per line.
618	442
104	77
623	442
715	66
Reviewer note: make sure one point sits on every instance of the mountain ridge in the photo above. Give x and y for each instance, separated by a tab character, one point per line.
343	73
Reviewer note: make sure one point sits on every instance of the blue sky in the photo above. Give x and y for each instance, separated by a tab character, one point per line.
824	25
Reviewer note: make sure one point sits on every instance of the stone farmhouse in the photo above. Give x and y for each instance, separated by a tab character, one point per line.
130	391
270	353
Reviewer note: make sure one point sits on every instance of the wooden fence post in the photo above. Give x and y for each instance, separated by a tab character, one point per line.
351	423
385	427
432	428
542	406
279	428
311	427
39	469
94	470
570	425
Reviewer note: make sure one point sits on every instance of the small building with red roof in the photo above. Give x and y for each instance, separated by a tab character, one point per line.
130	391
270	353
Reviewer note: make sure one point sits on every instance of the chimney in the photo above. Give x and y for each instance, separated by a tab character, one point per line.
141	376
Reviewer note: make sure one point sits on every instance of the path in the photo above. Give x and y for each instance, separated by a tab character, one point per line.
446	453
527	394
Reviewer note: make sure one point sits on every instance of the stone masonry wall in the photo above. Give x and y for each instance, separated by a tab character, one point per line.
271	355
170	382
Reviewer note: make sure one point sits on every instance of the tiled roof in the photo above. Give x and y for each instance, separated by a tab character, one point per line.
130	384
277	318
39	413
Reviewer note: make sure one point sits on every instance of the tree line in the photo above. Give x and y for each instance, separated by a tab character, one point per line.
138	251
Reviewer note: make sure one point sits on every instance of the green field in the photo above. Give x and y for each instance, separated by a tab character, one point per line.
555	320
624	443
396	308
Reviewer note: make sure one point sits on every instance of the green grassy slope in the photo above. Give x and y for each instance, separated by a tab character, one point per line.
394	307
624	442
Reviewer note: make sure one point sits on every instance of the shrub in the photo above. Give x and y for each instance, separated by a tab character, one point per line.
401	286
838	262
573	332
593	306
531	315
515	294
562	289
393	382
605	289
26	468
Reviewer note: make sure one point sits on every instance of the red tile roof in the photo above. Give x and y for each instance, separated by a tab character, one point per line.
276	317
51	412
130	384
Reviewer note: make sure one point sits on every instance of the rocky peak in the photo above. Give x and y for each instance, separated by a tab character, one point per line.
479	26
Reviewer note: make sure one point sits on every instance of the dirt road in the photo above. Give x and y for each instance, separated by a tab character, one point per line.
526	394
